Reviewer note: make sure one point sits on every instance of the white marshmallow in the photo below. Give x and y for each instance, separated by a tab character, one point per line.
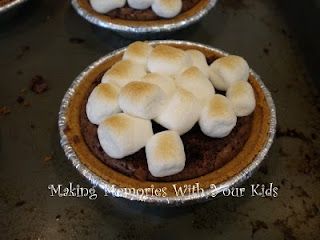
167	8
181	112
197	83
198	59
166	83
104	6
165	154
141	99
121	135
140	4
124	72
217	118
242	98
138	52
167	60
102	102
227	70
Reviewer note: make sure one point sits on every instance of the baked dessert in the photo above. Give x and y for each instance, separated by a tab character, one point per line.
143	16
144	10
233	117
166	85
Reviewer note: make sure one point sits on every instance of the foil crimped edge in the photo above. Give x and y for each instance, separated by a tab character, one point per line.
169	27
11	5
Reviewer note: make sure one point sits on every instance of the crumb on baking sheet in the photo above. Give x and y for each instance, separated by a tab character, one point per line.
76	40
4	110
38	85
256	226
48	158
20	99
23	51
20	203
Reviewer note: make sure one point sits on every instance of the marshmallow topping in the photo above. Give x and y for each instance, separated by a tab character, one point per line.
121	135
141	99
241	96
226	70
217	119
124	72
165	154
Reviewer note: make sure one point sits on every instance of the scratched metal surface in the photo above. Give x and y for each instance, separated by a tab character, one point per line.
48	40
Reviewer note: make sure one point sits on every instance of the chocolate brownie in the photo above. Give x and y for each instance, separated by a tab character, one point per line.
128	13
203	154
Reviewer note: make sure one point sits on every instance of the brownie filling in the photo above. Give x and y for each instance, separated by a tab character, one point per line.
203	154
128	13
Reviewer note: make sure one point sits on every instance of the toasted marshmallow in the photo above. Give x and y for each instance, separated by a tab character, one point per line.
140	4
101	6
198	59
121	135
138	52
166	83
181	112
217	119
226	70
141	99
197	83
124	72
167	8
102	102
242	98
168	60
165	154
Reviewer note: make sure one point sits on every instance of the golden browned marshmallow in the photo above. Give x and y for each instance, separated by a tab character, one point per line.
227	70
181	112
141	99
167	8
138	52
140	4
102	6
197	83
167	60
198	59
124	72
166	83
165	154
217	118
242	98
102	102
121	135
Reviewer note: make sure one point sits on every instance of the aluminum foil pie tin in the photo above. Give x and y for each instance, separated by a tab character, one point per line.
115	191
11	5
142	29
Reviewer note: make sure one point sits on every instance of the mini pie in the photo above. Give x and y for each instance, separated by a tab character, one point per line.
142	9
199	133
144	14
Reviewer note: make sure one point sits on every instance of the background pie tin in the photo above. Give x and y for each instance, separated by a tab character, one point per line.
114	190
134	31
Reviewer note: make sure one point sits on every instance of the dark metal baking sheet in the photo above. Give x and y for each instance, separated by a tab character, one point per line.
47	41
